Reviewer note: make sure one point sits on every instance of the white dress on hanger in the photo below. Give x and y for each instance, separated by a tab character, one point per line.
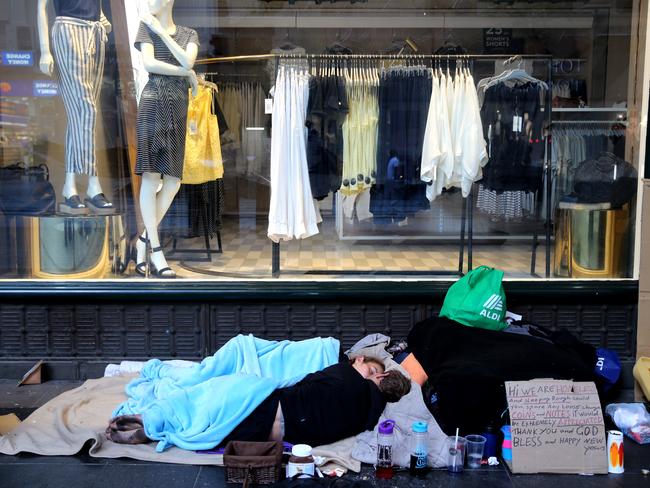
437	161
292	213
474	156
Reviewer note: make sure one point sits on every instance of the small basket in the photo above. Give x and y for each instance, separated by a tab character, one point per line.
253	462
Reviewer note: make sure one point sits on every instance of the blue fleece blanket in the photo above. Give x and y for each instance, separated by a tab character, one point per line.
196	408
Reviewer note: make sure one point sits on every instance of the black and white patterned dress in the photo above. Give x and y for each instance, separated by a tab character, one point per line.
162	112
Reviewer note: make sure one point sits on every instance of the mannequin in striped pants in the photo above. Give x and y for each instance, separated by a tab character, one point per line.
78	40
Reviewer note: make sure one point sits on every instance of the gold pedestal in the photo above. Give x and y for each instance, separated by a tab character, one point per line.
62	247
591	241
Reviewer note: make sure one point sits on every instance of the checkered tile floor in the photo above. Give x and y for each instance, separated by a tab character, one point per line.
247	254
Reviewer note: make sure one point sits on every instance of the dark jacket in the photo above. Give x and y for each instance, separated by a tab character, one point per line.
330	405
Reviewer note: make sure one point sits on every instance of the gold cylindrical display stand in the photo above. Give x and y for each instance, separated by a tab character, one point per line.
591	241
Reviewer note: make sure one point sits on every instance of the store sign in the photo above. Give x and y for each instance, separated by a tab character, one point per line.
567	66
17	58
45	88
497	40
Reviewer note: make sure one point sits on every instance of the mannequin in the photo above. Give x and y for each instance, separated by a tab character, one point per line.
79	35
168	54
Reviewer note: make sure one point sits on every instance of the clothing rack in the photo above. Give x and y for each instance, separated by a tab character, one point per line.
591	122
398	57
235	59
254	76
467	214
467	218
207	249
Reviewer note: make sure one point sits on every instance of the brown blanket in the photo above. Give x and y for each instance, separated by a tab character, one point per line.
66	423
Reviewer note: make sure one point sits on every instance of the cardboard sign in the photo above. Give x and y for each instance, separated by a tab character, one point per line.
557	427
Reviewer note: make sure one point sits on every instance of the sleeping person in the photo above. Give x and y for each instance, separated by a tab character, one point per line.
338	402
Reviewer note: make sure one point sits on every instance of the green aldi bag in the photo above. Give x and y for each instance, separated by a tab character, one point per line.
477	300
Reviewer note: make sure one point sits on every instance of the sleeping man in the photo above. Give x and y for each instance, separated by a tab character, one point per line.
340	401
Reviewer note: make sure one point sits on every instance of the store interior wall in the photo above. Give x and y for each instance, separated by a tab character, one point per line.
574	44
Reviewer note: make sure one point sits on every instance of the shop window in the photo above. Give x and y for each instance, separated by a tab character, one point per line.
317	140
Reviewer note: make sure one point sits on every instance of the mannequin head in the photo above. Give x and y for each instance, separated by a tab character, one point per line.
158	6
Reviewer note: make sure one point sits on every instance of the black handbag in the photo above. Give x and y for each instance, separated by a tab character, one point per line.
608	179
26	190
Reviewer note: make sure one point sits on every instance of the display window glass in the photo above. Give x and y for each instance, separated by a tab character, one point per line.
258	139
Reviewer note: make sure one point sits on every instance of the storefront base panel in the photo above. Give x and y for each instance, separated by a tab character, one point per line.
79	328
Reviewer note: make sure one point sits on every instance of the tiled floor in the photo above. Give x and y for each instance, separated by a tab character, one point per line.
247	253
82	471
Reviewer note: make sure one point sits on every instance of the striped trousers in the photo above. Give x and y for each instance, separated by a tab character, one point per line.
78	48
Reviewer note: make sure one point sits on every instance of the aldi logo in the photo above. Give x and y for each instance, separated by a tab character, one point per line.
493	307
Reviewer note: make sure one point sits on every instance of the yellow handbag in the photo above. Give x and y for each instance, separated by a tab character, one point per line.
203	160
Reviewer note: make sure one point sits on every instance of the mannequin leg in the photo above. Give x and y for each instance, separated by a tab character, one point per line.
166	195
70	185
94	188
148	210
153	207
96	200
71	203
164	200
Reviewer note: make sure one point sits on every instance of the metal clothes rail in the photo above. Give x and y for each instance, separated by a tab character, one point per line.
467	220
466	231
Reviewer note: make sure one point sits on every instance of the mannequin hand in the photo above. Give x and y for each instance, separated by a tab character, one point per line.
108	27
46	64
153	23
194	82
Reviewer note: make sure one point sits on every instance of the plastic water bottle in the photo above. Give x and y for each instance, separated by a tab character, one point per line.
491	442
384	469
506	447
419	449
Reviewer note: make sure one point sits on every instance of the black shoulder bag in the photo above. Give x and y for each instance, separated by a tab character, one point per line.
26	190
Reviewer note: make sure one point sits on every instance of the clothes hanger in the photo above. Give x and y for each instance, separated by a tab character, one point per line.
338	47
517	74
287	45
202	81
484	82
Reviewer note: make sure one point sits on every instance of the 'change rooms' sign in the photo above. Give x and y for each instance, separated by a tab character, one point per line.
17	58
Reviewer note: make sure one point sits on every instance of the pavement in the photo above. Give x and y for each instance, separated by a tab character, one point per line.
83	471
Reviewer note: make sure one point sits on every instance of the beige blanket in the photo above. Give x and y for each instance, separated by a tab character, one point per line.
66	423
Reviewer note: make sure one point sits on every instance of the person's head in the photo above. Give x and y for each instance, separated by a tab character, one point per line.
370	368
394	385
392	153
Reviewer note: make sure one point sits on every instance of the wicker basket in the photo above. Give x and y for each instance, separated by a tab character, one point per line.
253	462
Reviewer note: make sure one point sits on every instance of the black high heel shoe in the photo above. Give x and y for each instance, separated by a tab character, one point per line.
160	273
141	268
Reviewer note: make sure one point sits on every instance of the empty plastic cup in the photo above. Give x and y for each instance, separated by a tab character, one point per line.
474	445
455	454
